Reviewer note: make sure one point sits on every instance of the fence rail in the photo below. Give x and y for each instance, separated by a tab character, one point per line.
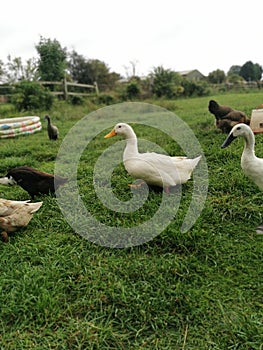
65	88
63	91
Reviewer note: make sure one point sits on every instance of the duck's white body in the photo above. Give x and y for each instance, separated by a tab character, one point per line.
16	214
154	168
251	165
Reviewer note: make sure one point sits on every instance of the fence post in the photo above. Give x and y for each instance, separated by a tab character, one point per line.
96	87
65	88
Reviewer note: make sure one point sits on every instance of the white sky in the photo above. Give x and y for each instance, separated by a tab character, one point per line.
178	35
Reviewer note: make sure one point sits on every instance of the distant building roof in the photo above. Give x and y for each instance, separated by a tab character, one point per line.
192	74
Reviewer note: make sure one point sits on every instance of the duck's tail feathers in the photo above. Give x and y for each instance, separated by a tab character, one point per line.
34	206
196	161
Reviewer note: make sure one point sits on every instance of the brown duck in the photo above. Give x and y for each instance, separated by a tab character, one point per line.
33	181
226	117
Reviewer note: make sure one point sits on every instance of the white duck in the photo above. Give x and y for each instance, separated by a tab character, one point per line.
15	214
251	165
153	168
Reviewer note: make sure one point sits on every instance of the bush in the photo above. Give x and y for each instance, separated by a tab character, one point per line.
132	90
105	99
193	88
76	100
166	83
31	96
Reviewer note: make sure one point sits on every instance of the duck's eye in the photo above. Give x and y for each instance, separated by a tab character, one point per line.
238	128
119	126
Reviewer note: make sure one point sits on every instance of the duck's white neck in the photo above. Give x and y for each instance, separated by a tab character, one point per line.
131	149
249	145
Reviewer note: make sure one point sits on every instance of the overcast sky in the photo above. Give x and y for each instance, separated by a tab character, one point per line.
178	35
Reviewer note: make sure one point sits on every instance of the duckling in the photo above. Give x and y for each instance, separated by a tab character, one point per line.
15	215
33	181
52	130
155	169
251	165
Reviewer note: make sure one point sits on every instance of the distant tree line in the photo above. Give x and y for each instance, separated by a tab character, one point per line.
248	72
55	63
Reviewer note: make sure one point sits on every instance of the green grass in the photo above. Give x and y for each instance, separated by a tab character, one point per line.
201	289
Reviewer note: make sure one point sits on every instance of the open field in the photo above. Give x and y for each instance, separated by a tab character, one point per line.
200	289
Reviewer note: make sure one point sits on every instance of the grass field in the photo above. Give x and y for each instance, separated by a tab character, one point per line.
200	289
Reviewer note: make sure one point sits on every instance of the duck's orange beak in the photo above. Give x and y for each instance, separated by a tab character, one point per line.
110	134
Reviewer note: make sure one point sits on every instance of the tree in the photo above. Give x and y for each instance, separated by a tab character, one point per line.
2	70
15	70
31	69
89	71
194	88
31	96
216	77
258	71
235	78
251	71
131	72
98	71
166	83
53	60
133	89
234	70
78	69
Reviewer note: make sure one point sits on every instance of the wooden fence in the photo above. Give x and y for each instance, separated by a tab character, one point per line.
63	89
65	85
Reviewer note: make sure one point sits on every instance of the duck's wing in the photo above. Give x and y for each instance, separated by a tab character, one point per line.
32	207
159	168
20	217
185	166
149	167
252	167
165	161
53	132
3	209
8	207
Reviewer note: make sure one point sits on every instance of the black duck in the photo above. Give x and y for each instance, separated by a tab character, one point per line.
52	130
33	181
